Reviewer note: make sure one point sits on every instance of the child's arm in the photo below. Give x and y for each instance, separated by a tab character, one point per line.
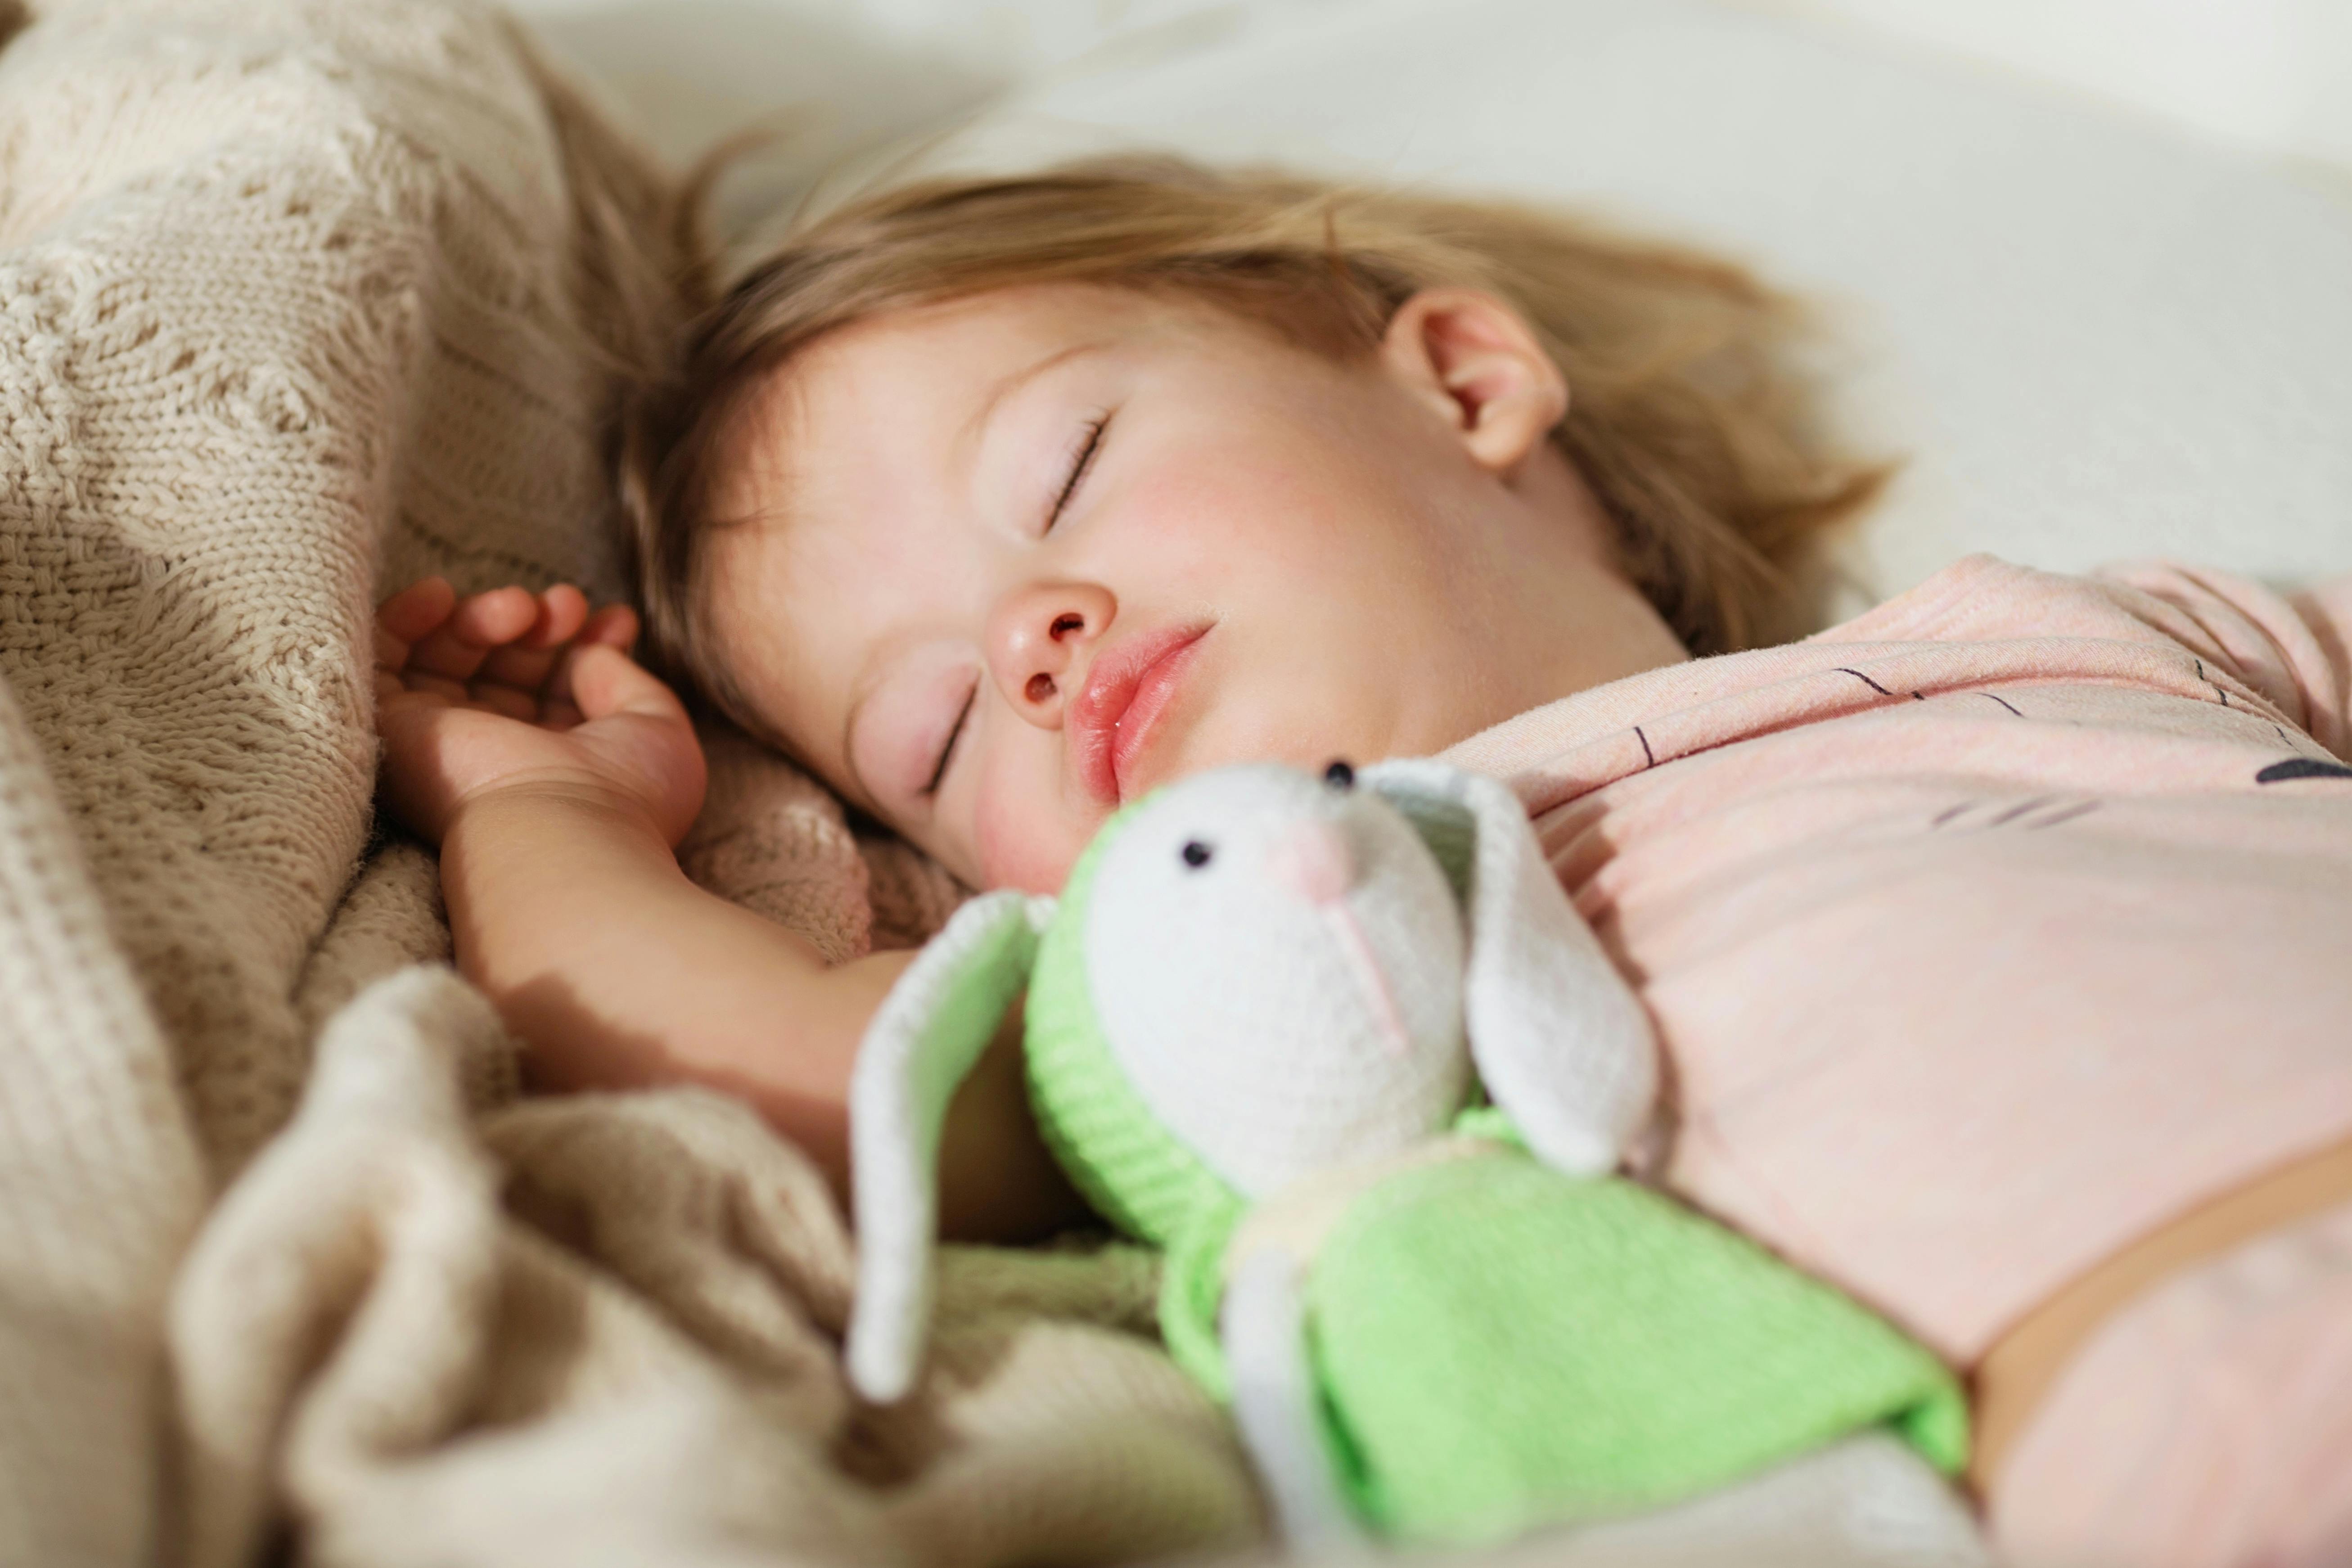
556	775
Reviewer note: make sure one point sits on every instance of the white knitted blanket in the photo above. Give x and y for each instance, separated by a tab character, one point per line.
298	298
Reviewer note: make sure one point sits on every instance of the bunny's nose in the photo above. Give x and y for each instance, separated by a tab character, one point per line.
1313	860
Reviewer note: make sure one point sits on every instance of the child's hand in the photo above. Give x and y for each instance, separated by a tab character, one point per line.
513	690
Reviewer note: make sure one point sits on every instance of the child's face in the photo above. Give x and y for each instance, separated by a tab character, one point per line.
1015	560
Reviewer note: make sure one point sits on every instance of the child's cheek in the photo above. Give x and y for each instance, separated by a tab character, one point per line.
1019	840
1237	510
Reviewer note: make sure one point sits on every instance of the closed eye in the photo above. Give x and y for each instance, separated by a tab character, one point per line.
1089	443
947	751
1082	458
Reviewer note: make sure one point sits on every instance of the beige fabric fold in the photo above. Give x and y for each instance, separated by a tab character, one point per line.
300	299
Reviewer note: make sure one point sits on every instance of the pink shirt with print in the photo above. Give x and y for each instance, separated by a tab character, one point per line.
1985	933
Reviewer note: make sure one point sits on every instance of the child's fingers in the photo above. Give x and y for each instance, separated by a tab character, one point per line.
526	664
601	680
559	685
392	689
615	626
390	704
409	615
495	616
440	686
560	717
441	652
522	668
456	648
506	701
563	610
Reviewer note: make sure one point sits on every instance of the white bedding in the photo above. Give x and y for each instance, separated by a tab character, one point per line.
2091	335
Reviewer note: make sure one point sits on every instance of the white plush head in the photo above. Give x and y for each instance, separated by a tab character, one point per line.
1276	962
1262	975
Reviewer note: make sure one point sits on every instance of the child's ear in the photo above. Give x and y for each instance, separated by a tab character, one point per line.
1475	362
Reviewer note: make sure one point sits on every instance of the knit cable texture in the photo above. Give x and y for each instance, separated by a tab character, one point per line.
301	301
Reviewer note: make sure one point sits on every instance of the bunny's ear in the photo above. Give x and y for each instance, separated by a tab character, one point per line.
1561	1041
928	1033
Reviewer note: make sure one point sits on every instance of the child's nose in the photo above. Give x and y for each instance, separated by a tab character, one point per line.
1040	643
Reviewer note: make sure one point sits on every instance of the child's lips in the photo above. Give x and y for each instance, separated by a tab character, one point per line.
1125	694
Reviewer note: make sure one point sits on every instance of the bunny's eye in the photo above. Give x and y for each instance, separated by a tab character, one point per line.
1339	776
1196	854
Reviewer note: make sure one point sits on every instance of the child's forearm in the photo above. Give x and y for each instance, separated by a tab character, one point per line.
573	917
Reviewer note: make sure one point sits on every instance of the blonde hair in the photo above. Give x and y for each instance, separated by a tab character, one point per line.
1682	417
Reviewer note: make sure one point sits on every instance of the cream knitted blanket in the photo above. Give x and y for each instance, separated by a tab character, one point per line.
298	298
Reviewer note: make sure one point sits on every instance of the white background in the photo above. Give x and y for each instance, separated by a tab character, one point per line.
2273	76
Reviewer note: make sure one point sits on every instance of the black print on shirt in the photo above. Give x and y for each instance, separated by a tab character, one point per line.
2042	811
2302	768
1916	696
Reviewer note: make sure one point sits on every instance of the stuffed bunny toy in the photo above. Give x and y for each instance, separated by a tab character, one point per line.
1343	1048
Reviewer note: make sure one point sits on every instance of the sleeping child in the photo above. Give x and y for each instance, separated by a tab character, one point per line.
1996	939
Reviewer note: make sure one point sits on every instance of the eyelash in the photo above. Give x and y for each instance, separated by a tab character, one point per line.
964	717
1088	444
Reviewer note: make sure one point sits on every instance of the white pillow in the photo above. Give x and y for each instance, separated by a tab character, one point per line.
2092	337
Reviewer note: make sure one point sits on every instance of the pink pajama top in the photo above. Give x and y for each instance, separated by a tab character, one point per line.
1984	933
